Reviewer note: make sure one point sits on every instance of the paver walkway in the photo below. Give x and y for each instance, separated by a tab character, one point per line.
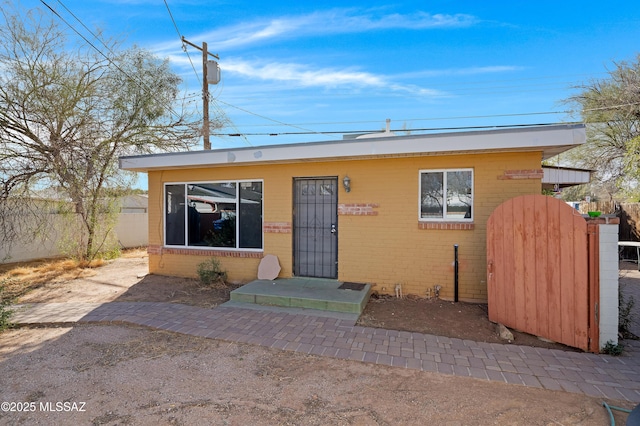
595	375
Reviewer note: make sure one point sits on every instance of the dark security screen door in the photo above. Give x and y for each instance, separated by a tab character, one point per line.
315	234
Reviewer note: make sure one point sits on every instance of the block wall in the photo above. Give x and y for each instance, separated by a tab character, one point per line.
608	256
380	239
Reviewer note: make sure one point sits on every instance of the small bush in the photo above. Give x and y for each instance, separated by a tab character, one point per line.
210	272
111	254
612	349
625	314
5	313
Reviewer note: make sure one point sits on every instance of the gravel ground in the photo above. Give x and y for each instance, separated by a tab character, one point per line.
118	375
129	375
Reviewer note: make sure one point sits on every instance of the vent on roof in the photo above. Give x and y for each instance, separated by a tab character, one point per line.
384	134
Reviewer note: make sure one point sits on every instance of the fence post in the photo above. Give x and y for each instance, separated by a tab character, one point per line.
609	303
603	280
593	253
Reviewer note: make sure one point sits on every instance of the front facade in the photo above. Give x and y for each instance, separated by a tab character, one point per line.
393	223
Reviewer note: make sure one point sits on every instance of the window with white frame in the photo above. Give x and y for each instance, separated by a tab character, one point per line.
214	214
446	195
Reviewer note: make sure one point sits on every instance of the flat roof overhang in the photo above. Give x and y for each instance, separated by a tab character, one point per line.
564	177
550	140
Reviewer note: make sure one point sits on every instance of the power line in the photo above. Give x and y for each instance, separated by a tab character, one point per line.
507	80
463	117
437	93
298	126
184	46
331	132
306	131
83	25
426	129
139	82
109	60
172	20
228	104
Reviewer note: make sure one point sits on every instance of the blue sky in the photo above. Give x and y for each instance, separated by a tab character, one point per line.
305	67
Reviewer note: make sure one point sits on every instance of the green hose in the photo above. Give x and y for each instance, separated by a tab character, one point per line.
609	407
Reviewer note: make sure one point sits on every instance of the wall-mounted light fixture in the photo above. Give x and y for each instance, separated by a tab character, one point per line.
346	182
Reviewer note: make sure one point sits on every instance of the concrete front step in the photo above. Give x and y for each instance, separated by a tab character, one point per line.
308	293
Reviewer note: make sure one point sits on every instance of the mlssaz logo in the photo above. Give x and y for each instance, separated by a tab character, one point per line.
65	406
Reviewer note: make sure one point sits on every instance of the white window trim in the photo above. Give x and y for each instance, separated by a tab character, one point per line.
186	222
444	218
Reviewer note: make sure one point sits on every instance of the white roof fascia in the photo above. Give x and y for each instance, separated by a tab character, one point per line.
565	176
551	140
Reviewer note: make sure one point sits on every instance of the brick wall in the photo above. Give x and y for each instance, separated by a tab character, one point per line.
380	239
277	227
361	209
239	269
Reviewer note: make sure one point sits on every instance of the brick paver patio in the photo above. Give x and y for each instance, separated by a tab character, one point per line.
600	376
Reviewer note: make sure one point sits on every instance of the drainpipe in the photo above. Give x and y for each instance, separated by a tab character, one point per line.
455	273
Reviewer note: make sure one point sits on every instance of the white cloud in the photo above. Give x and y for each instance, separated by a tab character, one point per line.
416	21
328	78
335	21
296	75
302	75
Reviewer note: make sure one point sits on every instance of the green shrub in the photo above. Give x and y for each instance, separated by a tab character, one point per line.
5	313
210	272
612	349
625	314
111	254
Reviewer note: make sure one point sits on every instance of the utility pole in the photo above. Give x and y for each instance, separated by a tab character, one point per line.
205	88
205	99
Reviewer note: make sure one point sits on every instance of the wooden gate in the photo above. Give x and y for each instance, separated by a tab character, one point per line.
538	274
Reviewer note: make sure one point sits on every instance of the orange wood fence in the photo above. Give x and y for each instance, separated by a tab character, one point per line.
539	275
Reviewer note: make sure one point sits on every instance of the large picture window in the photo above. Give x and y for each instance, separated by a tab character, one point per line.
214	214
446	195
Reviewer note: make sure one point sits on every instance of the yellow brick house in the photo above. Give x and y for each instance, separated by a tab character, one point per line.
382	210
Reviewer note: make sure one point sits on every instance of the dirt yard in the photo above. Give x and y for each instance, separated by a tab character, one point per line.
133	375
461	320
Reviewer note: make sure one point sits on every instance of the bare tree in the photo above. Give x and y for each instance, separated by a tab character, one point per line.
67	114
611	108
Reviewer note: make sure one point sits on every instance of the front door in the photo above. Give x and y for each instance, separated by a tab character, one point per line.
315	232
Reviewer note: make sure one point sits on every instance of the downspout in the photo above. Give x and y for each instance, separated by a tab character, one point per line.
455	273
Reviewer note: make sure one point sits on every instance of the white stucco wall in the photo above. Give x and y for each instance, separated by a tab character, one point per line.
608	284
132	230
44	245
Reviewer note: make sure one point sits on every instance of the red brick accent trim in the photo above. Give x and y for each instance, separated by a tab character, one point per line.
448	226
522	174
277	227
154	249
363	209
158	250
